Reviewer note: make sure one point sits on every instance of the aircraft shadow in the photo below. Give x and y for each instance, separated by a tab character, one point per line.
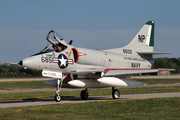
91	98
26	100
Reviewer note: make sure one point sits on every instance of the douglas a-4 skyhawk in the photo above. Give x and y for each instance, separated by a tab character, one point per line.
74	67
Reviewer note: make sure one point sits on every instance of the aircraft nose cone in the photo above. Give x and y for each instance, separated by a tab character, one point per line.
31	62
21	63
27	63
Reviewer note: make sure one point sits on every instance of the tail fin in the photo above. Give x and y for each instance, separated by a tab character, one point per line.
144	38
142	42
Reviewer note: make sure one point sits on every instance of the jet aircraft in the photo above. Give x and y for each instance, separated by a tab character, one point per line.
75	67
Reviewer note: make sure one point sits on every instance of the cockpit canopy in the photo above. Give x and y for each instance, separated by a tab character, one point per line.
56	40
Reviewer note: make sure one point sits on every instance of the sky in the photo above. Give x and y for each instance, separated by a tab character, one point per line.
93	24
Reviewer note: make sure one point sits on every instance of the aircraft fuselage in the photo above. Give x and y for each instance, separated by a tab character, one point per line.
72	58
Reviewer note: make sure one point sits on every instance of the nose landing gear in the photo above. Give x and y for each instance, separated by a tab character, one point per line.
57	97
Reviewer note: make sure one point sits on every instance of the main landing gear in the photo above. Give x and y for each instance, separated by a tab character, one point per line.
115	93
84	94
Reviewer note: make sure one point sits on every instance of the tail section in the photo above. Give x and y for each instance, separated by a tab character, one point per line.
142	42
145	36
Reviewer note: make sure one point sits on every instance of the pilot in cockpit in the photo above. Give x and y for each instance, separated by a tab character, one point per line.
54	47
57	48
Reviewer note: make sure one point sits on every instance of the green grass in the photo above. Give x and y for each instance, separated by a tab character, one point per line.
148	109
22	84
97	92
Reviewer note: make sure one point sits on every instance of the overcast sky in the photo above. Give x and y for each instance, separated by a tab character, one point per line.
94	24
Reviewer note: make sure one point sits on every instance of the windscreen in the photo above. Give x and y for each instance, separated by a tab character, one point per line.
54	38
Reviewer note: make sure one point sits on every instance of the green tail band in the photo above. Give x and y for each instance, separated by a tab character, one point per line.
152	33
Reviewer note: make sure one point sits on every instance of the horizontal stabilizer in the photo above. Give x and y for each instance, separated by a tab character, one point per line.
153	53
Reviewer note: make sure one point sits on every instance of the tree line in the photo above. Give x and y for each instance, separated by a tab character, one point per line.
16	71
169	63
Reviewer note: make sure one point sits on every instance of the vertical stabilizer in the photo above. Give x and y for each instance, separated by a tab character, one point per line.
142	42
145	35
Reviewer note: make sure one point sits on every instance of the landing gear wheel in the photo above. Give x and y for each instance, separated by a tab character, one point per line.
115	94
84	94
57	98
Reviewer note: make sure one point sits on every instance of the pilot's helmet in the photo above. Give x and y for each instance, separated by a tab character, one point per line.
60	45
53	45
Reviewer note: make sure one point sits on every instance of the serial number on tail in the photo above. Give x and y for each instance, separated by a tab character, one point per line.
127	51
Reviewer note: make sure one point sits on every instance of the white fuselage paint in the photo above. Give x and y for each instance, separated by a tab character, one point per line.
92	57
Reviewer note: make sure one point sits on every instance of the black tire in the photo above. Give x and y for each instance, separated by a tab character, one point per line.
84	94
57	98
115	94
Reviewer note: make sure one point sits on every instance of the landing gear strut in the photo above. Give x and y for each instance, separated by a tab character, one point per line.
57	97
84	94
115	93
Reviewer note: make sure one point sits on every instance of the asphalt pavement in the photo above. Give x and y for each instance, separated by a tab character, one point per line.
33	102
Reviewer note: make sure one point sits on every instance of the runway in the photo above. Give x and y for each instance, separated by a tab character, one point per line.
33	102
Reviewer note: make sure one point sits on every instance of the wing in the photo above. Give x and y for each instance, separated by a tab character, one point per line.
93	70
87	70
119	72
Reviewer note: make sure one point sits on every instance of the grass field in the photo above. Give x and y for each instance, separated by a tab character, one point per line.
148	109
22	85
